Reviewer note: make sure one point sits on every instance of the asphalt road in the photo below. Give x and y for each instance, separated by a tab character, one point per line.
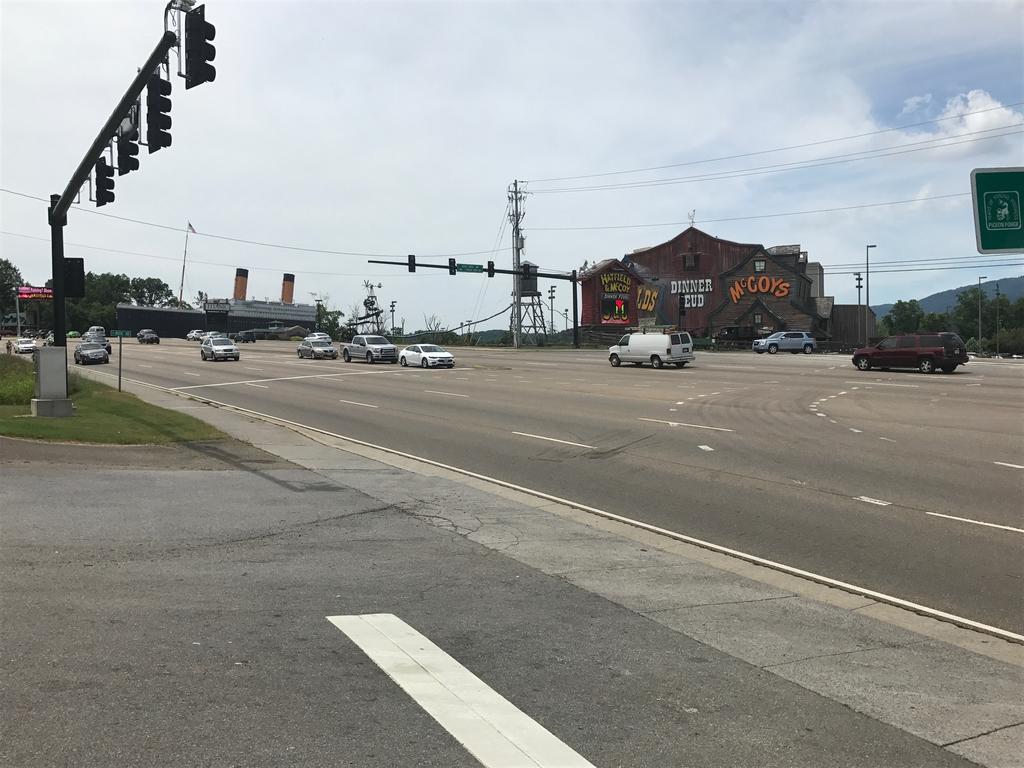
896	481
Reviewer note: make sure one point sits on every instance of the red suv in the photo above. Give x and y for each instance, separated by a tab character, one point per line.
924	351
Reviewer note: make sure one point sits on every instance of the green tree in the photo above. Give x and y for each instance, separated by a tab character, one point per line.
936	321
905	316
149	291
965	314
10	279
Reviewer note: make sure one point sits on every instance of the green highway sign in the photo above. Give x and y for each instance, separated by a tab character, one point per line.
469	267
997	194
115	334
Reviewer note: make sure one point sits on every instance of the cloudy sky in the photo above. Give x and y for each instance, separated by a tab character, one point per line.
393	128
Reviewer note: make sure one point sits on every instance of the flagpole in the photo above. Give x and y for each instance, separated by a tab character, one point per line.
181	288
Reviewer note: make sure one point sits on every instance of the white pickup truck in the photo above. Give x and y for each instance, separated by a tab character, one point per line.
372	349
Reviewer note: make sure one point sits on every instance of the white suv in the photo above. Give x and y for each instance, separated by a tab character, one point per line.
218	348
785	341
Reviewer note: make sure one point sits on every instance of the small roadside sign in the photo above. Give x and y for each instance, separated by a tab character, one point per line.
997	194
469	267
116	334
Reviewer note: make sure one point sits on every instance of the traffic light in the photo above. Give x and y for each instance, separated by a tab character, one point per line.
490	269
104	183
412	263
158	108
127	149
198	51
451	267
74	278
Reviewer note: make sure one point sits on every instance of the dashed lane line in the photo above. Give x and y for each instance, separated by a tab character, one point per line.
490	727
450	394
858	431
870	500
887	439
886	384
1007	464
705	447
261	386
681	424
260	381
353	402
976	522
554	440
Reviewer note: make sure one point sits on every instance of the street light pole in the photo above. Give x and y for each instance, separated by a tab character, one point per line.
861	316
980	278
551	297
867	287
997	319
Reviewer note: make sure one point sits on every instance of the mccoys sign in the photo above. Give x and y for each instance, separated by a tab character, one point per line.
776	286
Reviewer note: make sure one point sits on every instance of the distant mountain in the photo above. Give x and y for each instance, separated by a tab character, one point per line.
1010	287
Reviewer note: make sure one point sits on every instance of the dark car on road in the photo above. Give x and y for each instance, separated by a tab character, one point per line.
90	352
96	338
243	337
148	337
927	352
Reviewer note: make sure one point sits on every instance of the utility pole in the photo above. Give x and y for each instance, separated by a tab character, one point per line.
393	305
861	316
516	216
867	287
980	294
997	319
551	298
17	310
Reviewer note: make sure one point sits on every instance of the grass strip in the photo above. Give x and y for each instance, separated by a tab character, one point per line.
102	414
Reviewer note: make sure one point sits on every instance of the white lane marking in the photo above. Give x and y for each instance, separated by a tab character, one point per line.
489	726
1007	464
680	424
884	384
869	500
842	393
353	402
705	447
974	385
858	431
899	602
450	394
261	386
553	440
832	421
831	397
855	387
280	378
976	522
248	368
887	439
673	409
461	378
144	366
715	393
819	413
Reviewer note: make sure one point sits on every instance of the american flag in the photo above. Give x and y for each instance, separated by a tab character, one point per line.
191	228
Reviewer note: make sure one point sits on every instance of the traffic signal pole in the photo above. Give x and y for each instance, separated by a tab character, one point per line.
59	204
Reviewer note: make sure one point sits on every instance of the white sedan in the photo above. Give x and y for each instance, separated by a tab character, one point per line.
427	356
24	346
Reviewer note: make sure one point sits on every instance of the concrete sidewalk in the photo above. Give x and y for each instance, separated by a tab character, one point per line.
912	691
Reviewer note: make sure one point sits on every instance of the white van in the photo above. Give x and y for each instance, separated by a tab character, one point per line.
99	330
654	348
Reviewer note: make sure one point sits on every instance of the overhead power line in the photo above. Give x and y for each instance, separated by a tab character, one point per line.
177	260
776	149
986	265
244	241
758	216
782	167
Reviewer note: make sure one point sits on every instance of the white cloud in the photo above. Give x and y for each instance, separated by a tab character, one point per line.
914	103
